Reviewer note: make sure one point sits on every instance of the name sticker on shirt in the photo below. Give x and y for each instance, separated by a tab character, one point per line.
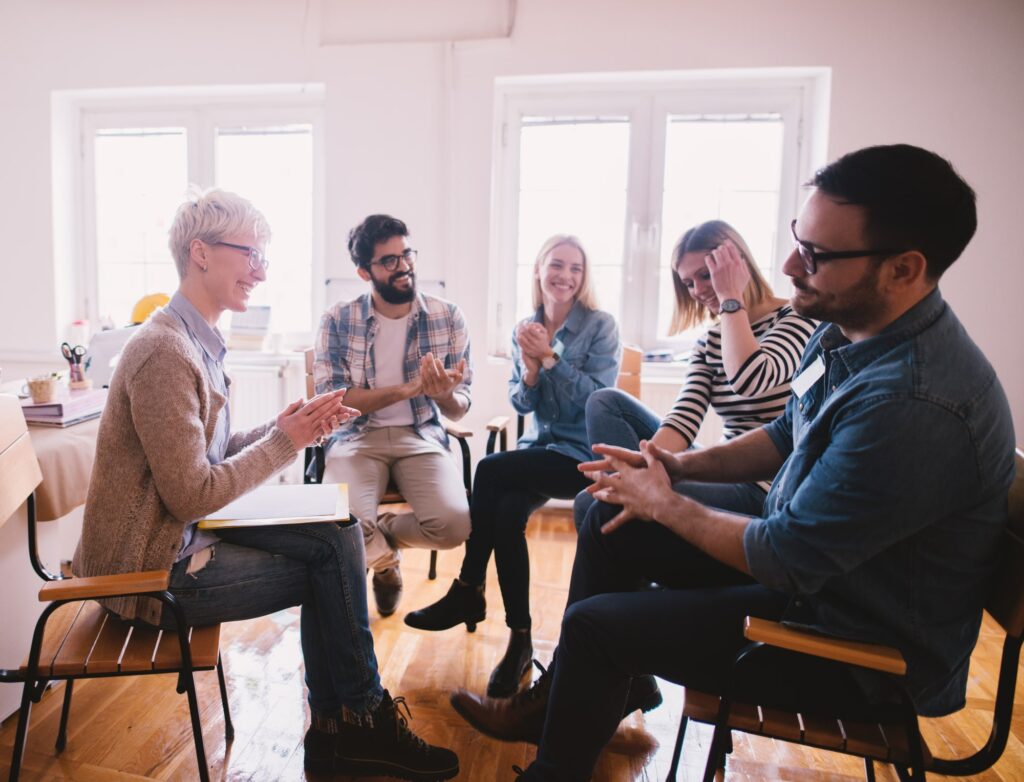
802	383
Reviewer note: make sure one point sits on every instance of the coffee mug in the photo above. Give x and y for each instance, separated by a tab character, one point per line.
42	388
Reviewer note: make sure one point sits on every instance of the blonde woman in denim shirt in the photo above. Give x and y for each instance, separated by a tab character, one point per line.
566	351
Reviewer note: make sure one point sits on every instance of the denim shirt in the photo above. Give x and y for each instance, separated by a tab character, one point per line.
884	521
211	346
589	361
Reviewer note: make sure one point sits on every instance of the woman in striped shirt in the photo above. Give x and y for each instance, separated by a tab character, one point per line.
741	366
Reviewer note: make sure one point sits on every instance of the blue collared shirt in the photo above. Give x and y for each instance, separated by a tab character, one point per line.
884	520
345	355
212	349
589	361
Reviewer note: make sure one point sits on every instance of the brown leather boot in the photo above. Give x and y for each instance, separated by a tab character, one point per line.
519	718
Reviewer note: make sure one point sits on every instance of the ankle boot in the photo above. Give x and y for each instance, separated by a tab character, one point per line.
384	746
643	694
462	603
514	665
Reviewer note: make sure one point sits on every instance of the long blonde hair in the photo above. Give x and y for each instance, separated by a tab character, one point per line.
585	296
706	237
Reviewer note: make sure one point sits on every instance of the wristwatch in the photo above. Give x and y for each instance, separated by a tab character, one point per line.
548	362
731	305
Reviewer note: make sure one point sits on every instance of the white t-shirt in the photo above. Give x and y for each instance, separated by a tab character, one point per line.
389	369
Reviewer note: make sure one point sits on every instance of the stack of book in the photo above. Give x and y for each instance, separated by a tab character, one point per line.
72	408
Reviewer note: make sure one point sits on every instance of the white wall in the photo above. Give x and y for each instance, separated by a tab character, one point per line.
409	126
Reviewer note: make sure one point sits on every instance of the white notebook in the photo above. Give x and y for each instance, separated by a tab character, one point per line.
283	504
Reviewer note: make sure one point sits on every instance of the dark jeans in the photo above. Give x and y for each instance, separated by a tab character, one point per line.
321	567
689	632
507	488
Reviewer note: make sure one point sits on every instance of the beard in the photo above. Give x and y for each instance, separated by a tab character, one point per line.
853	309
393	295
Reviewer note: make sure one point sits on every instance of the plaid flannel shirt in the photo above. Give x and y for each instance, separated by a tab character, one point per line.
345	356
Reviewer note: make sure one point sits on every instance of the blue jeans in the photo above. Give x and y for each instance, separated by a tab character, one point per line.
616	418
320	567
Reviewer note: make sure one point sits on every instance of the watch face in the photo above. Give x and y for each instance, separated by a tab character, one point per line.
731	305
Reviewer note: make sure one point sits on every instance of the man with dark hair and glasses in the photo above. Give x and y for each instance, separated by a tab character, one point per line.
892	464
404	358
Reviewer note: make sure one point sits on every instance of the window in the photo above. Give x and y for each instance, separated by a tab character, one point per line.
138	162
628	164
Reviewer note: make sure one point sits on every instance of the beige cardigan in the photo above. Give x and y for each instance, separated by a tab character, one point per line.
151	475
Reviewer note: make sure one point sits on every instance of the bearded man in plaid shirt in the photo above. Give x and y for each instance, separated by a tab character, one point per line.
404	358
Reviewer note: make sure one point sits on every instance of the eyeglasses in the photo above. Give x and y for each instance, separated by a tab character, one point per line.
257	260
390	262
812	257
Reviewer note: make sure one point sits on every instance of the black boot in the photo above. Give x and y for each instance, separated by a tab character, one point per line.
514	665
463	603
384	747
643	694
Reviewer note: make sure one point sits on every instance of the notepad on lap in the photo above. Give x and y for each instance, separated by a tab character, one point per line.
282	504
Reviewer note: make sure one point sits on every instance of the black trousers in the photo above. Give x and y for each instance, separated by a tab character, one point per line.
689	632
507	488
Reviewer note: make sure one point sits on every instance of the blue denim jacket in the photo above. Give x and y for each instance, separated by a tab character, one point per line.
589	361
885	518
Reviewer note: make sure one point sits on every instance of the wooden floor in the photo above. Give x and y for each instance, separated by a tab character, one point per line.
138	728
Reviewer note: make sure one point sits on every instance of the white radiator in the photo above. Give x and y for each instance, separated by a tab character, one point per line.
660	394
262	385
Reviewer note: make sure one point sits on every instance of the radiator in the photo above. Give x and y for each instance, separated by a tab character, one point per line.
659	395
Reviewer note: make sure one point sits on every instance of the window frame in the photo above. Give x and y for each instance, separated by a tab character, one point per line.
798	96
200	112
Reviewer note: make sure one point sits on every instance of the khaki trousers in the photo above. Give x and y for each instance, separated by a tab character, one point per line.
427	477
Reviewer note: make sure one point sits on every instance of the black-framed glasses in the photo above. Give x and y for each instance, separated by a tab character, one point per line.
390	262
257	260
811	257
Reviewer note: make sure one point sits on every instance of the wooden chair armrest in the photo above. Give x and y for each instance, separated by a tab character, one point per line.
874	656
498	423
104	586
457	431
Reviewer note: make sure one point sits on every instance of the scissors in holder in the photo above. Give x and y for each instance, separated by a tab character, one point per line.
73	355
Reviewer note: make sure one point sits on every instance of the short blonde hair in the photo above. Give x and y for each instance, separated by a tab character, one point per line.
585	296
211	215
703	238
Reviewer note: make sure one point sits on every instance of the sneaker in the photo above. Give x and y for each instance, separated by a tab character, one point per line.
387	748
513	667
462	603
387	590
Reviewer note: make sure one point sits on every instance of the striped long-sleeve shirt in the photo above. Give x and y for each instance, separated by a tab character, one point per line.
758	392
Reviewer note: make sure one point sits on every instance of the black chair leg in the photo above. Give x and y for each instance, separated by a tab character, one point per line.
432	572
677	753
229	728
62	731
716	756
22	733
869	770
197	727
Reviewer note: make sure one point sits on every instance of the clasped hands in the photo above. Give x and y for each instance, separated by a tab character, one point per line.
307	423
534	344
640	481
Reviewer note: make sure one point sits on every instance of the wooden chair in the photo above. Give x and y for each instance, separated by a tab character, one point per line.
628	380
896	742
313	459
75	638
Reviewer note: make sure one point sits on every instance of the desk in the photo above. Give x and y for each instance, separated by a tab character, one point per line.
65	457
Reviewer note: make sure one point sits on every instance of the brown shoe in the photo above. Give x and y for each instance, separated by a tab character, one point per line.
519	718
387	590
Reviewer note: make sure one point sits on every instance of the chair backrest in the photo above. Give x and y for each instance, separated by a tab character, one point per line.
309	354
629	371
1006	603
19	470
